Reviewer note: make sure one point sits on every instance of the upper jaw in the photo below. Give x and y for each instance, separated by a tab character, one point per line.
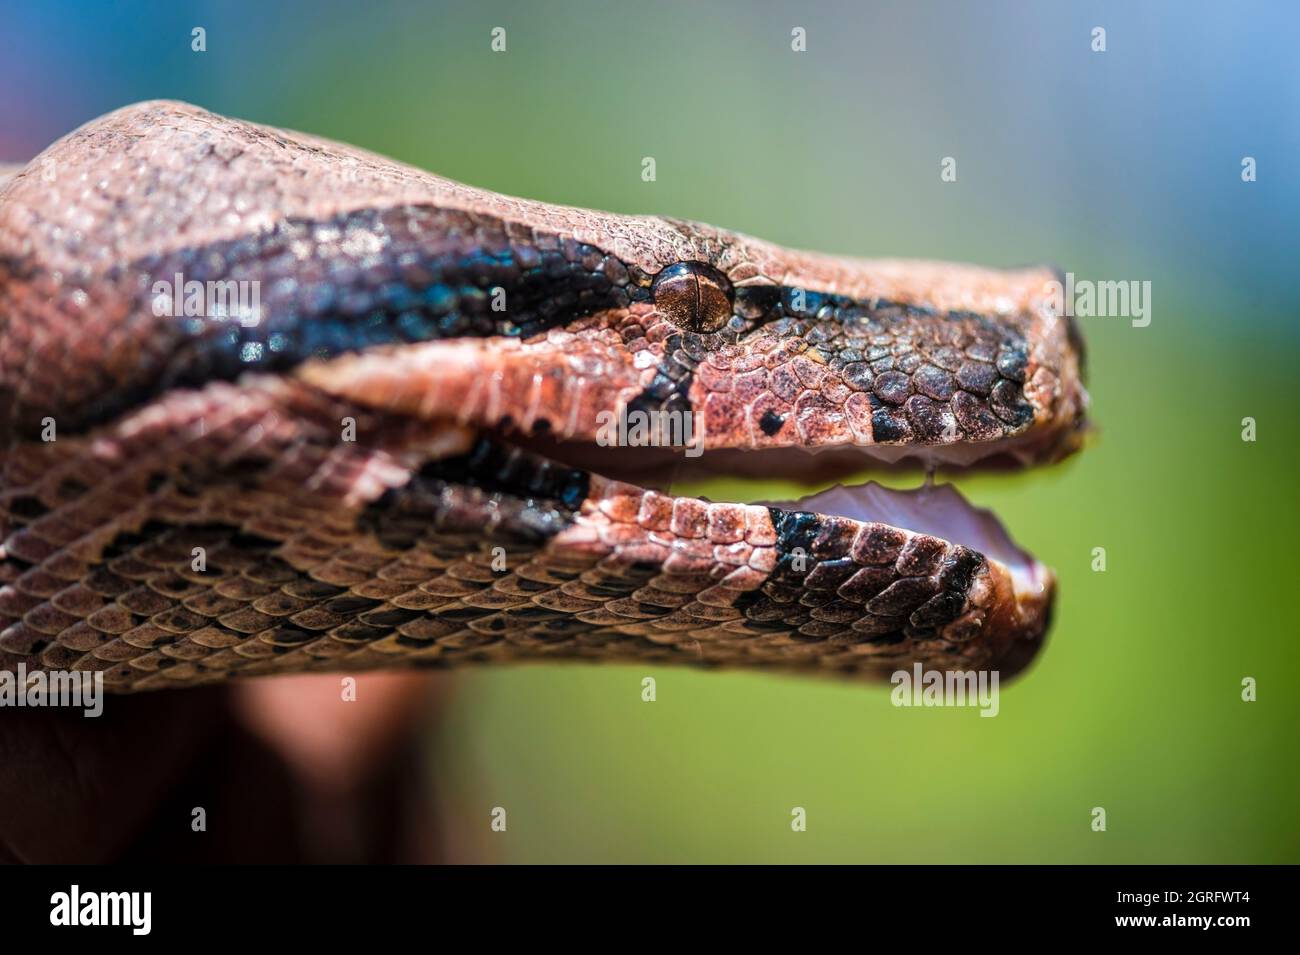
944	390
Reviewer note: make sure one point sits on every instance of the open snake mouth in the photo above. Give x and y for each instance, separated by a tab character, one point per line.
416	443
939	510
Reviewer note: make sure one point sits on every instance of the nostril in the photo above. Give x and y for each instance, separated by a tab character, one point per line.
693	296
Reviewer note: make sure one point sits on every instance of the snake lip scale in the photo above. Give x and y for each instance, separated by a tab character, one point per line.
378	464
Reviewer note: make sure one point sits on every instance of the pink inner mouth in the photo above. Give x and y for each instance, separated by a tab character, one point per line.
938	510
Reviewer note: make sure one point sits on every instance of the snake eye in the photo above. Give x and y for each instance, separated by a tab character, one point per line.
693	296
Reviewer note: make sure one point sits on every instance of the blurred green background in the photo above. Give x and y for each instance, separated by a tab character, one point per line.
1116	165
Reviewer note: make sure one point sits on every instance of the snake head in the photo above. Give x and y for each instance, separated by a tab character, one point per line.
322	367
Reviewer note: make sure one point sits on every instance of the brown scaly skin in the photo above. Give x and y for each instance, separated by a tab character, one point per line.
333	460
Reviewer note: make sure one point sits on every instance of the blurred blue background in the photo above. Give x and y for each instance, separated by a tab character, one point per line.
1117	165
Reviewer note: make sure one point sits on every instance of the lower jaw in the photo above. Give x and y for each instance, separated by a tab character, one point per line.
937	511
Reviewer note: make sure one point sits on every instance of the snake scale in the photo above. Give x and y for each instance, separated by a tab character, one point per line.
353	479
